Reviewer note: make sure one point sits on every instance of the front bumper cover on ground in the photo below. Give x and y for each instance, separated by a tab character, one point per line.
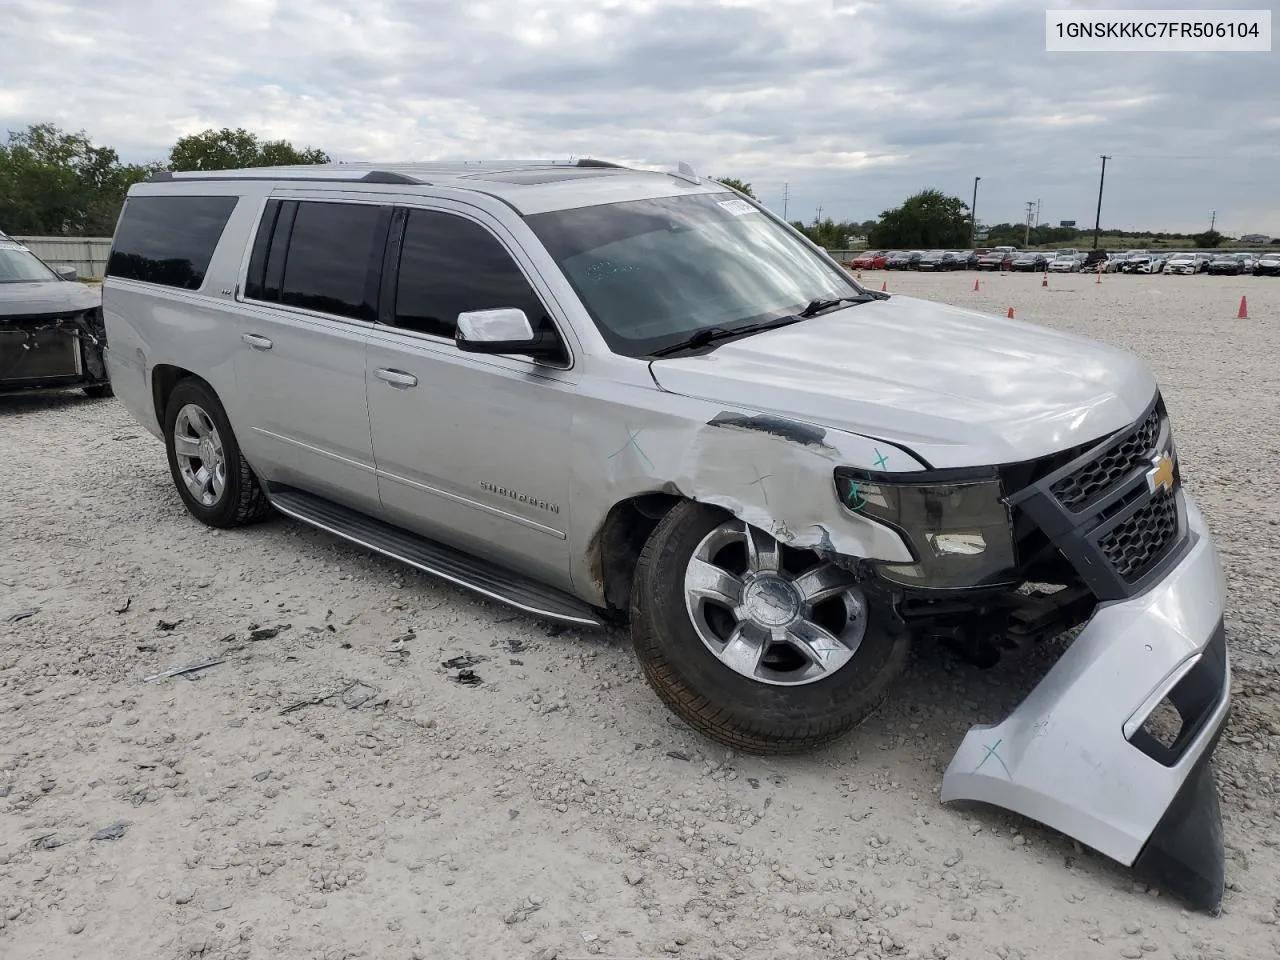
1074	756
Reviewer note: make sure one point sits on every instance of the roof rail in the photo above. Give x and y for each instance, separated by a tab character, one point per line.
591	162
373	176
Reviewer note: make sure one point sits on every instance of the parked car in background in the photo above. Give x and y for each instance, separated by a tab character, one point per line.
1065	262
1184	264
932	261
1225	264
996	260
1030	261
870	260
905	259
954	260
51	332
1268	265
1153	264
1095	257
967	259
1247	261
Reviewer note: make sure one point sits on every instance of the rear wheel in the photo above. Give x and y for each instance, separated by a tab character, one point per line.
214	480
757	645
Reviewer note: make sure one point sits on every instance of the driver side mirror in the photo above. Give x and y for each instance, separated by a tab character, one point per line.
69	273
504	330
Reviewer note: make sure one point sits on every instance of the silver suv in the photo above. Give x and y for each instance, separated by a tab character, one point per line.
600	394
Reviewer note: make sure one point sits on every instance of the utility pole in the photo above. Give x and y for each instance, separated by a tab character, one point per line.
1037	214
1027	240
818	222
973	215
1213	218
786	195
1097	223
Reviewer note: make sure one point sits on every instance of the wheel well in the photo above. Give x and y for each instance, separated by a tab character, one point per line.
617	544
164	378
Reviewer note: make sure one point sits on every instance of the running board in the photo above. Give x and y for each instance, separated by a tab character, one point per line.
489	580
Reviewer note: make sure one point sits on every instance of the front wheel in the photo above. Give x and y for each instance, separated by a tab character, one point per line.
757	645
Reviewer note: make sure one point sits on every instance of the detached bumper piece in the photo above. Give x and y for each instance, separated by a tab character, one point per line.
1113	747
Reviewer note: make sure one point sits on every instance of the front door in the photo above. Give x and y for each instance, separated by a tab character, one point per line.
471	450
310	300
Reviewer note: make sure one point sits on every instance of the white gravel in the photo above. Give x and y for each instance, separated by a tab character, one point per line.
555	810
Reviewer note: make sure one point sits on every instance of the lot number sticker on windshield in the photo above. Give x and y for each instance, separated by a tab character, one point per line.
737	207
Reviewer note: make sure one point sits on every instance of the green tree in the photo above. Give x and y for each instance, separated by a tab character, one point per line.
228	149
1210	238
736	184
929	220
54	182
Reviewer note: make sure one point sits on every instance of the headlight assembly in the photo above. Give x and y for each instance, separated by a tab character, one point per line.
955	523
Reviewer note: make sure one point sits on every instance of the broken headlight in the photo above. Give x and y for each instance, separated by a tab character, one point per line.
955	522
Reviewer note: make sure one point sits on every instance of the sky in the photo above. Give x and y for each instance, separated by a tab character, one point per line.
844	105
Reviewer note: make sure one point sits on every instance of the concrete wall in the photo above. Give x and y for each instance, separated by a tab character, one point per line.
87	254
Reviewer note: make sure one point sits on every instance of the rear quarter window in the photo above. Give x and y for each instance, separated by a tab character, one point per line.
168	241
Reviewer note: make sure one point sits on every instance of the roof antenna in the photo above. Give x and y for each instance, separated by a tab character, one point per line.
686	172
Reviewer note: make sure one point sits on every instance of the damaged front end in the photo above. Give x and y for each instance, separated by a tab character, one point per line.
1086	752
50	351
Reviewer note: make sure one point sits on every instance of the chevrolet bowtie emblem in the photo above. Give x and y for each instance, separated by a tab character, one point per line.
1160	476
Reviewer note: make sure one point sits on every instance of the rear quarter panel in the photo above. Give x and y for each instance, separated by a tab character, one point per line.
149	325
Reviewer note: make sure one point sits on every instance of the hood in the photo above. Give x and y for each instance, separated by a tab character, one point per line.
49	296
958	387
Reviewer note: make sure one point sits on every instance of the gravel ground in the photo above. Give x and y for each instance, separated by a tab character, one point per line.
554	809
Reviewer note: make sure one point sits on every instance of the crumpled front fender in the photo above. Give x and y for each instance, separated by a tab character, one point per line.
1073	754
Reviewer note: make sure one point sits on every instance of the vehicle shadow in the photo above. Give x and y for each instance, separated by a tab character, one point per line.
20	403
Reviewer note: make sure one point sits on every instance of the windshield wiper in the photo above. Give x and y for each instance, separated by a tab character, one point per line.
816	307
710	335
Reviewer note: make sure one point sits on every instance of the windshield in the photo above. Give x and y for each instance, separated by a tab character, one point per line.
653	272
19	265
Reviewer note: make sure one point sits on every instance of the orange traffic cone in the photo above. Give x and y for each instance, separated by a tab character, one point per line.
975	284
1243	312
1011	313
1045	281
859	274
884	286
1099	280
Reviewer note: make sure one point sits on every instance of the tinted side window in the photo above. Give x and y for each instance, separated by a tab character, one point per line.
334	258
449	265
168	240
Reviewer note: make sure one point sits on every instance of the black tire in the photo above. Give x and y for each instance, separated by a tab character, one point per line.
98	391
730	708
242	500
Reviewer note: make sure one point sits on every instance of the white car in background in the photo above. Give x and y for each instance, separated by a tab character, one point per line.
1065	263
1185	264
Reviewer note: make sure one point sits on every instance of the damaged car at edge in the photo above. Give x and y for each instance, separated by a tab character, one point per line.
51	331
601	394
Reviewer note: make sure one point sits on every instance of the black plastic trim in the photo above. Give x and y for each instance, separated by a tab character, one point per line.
1196	696
1184	854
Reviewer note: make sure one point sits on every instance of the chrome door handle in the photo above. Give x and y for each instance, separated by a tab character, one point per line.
255	341
397	378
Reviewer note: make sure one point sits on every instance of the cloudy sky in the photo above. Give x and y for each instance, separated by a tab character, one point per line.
852	103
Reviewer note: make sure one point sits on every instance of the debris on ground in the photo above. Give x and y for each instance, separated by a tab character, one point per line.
112	831
123	606
464	675
465	660
22	615
257	633
186	669
168	626
358	694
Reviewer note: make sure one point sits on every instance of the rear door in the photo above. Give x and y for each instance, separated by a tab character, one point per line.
310	300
